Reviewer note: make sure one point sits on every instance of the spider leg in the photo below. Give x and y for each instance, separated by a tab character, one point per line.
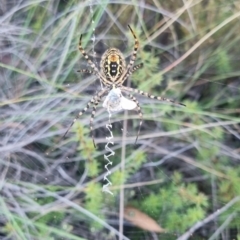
92	65
134	54
97	100
139	114
151	96
92	101
132	60
86	71
136	67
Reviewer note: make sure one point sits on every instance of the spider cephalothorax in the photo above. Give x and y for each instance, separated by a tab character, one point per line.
112	74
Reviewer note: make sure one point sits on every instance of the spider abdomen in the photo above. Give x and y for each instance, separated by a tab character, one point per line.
112	64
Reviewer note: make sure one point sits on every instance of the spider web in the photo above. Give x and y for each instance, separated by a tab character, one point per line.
114	102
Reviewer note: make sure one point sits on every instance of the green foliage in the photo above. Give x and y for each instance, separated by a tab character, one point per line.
169	125
86	149
217	133
94	202
223	64
178	205
149	76
137	159
52	217
229	188
118	178
93	167
208	152
133	164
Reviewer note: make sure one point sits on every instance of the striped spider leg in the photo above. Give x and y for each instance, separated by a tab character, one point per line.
93	100
130	67
97	100
128	89
139	110
90	62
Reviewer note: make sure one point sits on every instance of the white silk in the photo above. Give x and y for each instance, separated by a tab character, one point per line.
115	101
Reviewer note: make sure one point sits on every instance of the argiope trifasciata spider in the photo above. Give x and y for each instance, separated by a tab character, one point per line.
113	72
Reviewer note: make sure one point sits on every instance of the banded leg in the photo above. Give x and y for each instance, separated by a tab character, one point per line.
134	54
151	96
132	59
97	100
86	71
136	67
92	101
139	114
92	65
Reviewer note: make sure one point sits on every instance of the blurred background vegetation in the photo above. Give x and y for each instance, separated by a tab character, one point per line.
185	165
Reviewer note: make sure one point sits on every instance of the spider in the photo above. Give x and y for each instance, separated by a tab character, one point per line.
112	74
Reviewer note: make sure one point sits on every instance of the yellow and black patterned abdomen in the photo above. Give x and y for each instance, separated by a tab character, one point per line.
112	64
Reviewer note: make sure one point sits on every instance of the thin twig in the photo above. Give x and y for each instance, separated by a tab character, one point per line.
223	226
